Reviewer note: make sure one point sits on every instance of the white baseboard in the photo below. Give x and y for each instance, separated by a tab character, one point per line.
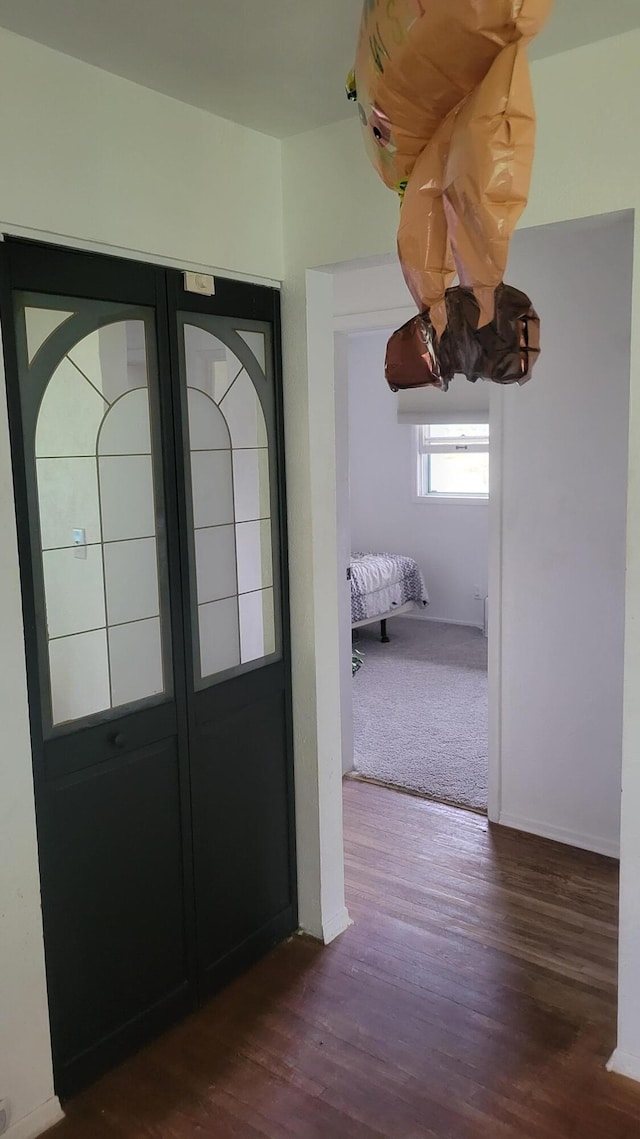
335	925
439	620
625	1064
38	1121
560	834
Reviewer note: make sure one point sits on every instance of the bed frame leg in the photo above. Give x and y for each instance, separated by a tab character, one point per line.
384	636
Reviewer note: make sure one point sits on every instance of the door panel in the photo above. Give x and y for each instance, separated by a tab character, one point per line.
239	684
95	484
247	833
146	427
130	954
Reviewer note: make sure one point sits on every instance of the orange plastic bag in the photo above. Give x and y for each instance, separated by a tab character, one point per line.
468	189
424	245
444	96
488	173
418	59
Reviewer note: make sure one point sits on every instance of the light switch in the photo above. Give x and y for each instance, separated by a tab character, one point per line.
80	544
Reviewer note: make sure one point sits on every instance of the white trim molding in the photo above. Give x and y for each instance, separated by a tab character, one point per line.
594	843
383	319
494	602
317	579
417	616
625	1064
334	926
452	499
38	1121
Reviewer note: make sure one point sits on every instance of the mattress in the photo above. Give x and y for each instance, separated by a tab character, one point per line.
381	583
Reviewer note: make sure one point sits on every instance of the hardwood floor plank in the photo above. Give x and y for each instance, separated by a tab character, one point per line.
473	998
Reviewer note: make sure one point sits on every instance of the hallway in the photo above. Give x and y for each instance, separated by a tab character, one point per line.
474	998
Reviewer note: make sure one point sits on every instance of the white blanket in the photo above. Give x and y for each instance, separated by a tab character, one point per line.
381	583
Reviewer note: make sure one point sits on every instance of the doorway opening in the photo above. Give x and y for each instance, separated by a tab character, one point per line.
419	495
555	519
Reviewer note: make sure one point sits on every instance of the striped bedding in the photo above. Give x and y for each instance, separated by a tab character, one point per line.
381	583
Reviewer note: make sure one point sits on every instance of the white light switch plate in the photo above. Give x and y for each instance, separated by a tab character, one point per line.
80	547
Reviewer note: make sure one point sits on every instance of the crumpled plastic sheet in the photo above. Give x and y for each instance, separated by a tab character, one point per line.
445	100
506	348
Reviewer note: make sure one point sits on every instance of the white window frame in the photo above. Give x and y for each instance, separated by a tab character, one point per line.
423	445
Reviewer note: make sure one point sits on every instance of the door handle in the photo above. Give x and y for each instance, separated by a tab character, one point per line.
117	740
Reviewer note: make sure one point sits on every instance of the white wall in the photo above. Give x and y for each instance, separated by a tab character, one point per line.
449	540
564	482
336	210
88	156
371	293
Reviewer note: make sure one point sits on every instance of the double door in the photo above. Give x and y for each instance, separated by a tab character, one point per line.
146	433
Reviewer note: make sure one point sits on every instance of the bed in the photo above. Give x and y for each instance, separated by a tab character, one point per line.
383	586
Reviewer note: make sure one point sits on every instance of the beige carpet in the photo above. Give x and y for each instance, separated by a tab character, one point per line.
420	710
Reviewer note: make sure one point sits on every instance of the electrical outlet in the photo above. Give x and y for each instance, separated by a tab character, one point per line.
4	1115
477	593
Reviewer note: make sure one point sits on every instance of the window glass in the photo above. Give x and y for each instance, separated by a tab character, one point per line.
100	520
231	501
453	460
459	474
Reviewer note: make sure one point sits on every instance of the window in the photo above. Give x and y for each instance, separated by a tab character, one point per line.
453	460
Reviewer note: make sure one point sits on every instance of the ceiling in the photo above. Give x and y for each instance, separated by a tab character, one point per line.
278	66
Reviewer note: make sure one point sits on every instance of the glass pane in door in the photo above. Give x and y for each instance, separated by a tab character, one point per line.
230	438
90	411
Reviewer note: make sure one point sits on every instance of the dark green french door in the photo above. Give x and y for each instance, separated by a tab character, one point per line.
146	427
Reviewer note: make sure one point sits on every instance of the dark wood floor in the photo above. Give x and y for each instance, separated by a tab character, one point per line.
474	998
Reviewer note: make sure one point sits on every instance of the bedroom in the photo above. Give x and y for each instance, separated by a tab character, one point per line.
418	493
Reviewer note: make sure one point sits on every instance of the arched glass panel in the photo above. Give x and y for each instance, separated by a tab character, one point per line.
97	492
231	497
